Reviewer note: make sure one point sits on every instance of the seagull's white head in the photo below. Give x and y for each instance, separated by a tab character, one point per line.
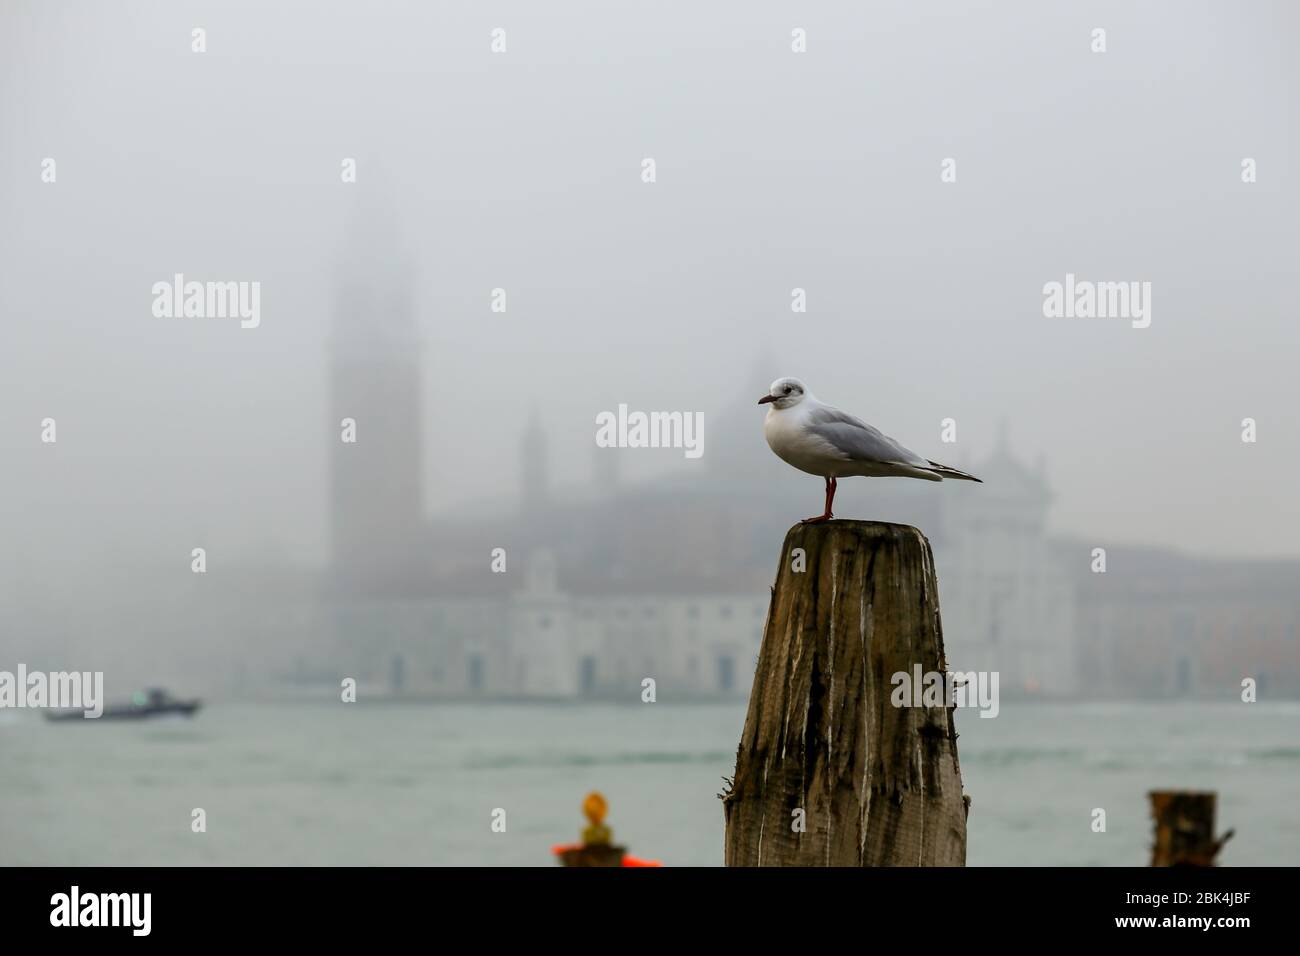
785	393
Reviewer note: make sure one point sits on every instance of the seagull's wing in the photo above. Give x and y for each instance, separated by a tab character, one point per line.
858	441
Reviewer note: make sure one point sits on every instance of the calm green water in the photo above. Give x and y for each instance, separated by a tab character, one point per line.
416	784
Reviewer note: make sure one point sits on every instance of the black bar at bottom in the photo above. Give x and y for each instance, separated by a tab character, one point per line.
957	906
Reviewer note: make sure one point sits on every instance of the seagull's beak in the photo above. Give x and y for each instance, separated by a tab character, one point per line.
766	398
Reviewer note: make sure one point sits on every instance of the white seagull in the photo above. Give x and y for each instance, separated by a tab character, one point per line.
822	440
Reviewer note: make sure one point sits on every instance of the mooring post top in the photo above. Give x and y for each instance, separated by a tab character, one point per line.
854	528
853	524
840	539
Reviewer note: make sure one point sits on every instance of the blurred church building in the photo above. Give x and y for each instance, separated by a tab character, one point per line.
609	584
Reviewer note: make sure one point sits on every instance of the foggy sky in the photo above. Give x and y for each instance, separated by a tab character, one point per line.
522	170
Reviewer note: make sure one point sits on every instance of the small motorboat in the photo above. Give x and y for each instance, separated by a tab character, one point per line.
153	702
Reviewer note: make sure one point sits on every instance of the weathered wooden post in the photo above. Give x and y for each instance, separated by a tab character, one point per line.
829	772
1184	828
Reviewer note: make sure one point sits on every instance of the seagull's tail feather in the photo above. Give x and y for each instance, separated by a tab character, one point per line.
947	472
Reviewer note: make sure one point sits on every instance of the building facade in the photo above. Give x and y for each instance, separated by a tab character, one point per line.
610	585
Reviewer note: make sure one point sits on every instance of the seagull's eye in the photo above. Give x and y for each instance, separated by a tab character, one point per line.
788	390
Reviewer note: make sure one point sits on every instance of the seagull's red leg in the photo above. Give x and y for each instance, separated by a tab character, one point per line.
830	497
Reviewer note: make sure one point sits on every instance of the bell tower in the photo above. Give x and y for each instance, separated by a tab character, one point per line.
375	500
